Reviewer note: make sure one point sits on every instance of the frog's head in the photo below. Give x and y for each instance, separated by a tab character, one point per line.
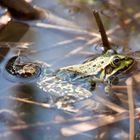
118	64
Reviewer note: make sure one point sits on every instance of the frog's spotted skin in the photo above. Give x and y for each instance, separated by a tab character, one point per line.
76	80
57	88
103	67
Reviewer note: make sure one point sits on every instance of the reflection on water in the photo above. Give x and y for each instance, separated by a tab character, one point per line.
24	112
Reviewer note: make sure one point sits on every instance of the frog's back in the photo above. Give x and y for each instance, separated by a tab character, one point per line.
93	67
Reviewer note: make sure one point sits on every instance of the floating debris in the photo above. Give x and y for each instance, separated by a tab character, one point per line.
16	70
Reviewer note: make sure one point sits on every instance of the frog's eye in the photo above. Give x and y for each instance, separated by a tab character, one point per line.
108	69
116	61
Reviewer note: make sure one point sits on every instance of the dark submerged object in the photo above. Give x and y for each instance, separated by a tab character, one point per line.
21	9
21	71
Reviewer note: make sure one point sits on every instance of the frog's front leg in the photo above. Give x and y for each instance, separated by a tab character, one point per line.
86	82
112	81
92	83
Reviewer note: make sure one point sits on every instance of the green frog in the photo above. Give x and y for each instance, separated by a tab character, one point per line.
105	68
75	81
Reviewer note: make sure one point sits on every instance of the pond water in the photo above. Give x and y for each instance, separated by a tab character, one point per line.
68	35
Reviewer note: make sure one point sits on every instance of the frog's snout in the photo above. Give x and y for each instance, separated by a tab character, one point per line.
129	61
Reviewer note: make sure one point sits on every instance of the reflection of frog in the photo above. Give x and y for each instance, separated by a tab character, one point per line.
75	80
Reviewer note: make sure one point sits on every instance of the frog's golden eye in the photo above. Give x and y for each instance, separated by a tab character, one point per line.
108	69
116	61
